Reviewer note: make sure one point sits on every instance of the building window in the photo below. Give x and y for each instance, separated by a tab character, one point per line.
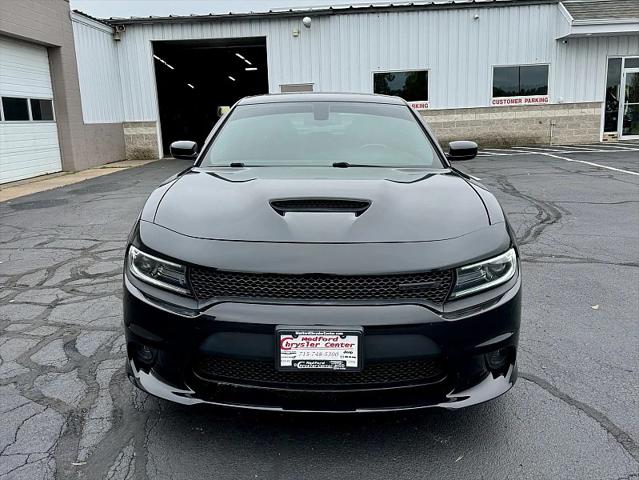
41	110
613	91
520	81
412	86
631	62
15	109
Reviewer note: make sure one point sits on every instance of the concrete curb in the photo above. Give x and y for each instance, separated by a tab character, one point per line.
42	183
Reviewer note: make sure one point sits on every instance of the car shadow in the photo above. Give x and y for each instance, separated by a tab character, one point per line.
399	433
194	441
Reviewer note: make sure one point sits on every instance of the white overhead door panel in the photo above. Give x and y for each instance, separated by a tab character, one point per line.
28	146
28	150
24	69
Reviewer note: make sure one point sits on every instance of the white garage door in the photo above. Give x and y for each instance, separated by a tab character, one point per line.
28	132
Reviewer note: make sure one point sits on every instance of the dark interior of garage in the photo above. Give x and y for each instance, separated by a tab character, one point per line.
194	78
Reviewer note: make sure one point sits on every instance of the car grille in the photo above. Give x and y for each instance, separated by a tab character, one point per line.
263	372
433	286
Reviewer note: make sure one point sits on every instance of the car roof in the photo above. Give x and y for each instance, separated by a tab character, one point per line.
321	97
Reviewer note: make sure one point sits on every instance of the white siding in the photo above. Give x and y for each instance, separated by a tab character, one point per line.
136	70
340	52
98	71
581	64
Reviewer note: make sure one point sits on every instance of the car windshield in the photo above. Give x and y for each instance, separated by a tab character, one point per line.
322	134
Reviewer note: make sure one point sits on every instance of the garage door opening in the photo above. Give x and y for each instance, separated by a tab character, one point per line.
195	78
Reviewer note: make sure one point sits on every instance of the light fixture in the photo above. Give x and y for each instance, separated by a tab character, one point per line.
231	78
250	69
163	61
242	57
190	85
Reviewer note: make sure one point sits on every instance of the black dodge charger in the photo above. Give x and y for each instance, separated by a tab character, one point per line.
322	254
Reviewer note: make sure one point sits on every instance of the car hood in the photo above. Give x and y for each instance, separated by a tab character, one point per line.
401	205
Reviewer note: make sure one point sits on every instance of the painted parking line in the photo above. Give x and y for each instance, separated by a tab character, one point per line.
562	149
581	148
501	149
472	176
491	154
510	151
621	170
504	152
485	153
626	147
602	145
552	149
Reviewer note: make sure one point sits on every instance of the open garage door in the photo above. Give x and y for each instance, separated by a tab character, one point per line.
194	78
28	131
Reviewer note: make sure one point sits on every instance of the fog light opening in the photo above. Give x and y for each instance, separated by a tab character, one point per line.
145	354
498	359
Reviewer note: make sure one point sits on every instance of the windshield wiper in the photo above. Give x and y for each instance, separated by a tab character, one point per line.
348	165
334	165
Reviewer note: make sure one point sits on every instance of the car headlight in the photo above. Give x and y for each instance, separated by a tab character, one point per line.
158	272
486	274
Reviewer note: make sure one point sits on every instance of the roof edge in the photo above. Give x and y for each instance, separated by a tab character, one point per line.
564	11
607	21
95	19
331	10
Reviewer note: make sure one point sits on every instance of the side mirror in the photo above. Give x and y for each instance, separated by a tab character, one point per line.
461	150
184	150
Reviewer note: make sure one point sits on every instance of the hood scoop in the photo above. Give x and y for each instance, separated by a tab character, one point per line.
320	205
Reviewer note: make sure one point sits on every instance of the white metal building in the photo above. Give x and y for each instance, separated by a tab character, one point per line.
496	71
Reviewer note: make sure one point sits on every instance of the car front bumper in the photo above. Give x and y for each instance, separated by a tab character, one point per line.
164	345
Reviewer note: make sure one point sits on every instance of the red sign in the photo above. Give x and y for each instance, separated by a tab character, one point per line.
419	104
314	342
509	101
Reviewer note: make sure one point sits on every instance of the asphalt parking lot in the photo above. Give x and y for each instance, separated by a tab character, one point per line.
68	411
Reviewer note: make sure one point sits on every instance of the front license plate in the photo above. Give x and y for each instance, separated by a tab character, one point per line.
318	349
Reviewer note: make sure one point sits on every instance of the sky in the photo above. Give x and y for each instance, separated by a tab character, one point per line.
142	8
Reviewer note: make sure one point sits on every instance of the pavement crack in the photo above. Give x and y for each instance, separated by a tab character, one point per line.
632	476
547	213
4	412
569	260
17	431
622	202
622	437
